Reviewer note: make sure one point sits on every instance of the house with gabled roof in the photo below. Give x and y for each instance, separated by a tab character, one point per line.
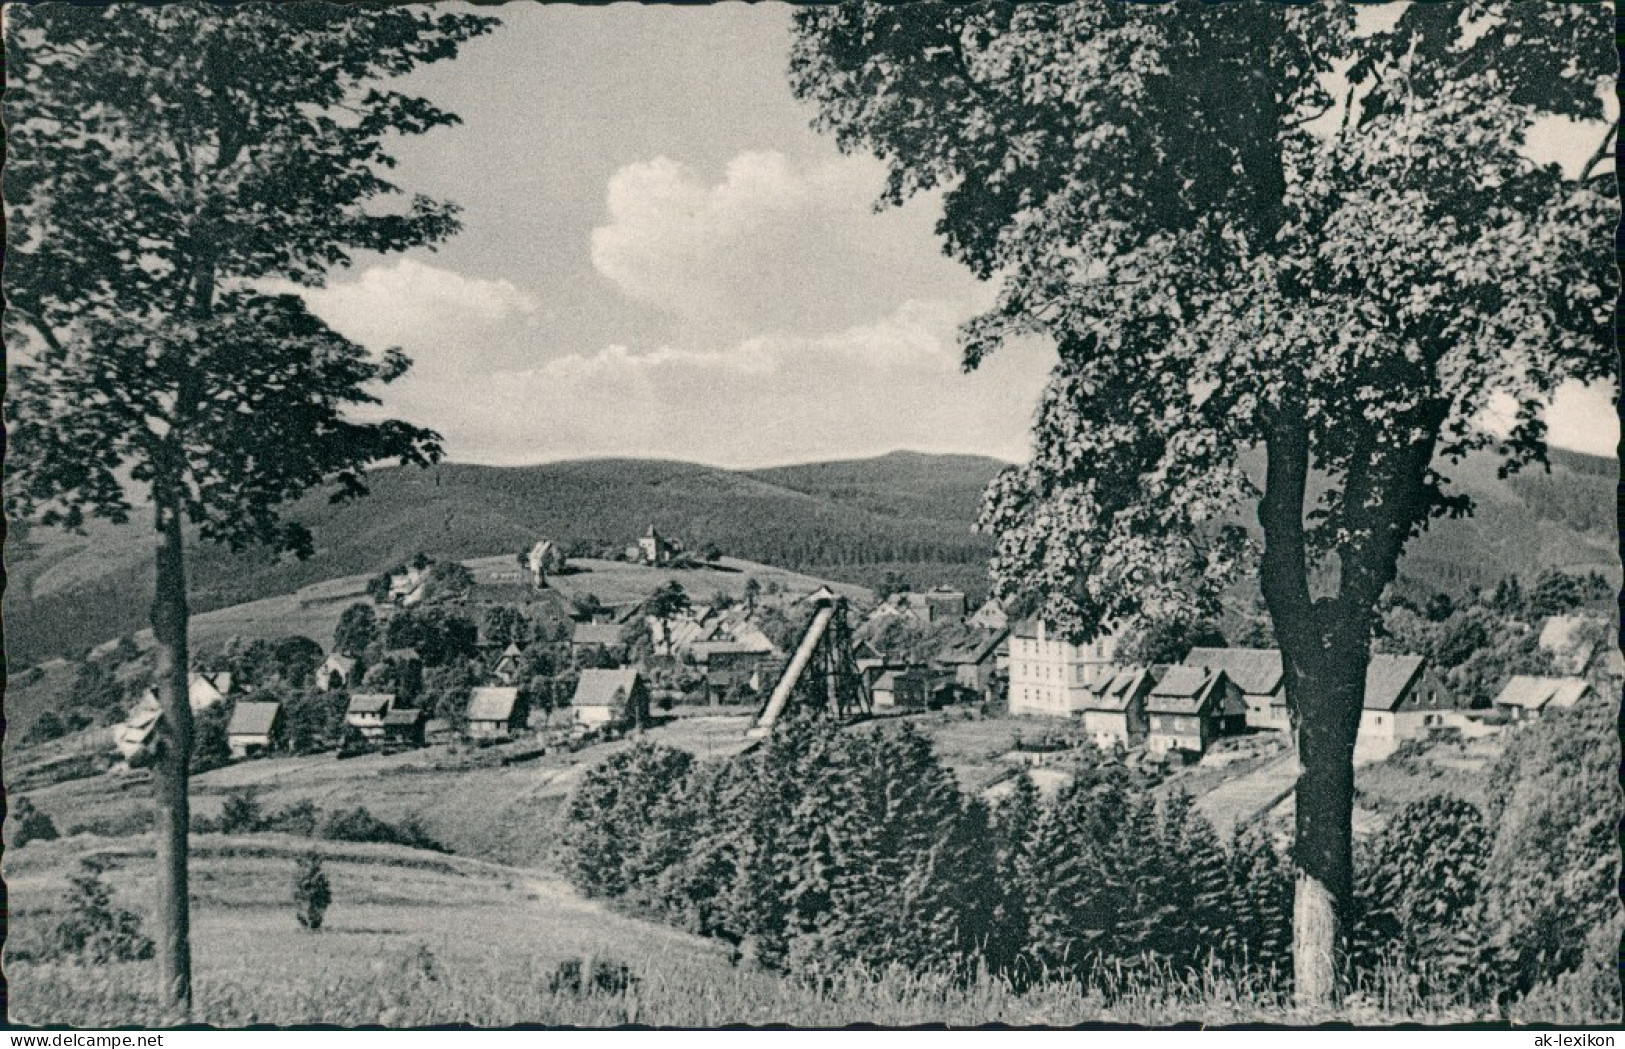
253	727
974	662
336	672
207	689
589	638
1404	698
495	713
1190	707
1258	673
1115	716
507	665
406	726
990	616
611	697
366	712
1527	697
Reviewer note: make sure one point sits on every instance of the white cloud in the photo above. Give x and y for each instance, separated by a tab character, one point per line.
893	383
770	247
425	308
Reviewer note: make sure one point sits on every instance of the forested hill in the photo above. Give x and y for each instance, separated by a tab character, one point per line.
846	521
850	521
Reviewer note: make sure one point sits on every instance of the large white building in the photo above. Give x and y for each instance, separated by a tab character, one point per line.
1050	676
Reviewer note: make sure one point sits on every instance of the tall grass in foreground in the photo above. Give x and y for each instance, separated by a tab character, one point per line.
413	987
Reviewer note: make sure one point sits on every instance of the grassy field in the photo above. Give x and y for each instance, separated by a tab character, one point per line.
419	938
414	939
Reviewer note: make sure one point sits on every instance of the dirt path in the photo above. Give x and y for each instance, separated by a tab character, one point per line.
1250	796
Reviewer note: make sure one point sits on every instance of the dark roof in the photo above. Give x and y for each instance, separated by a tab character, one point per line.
1184	690
253	718
1388	679
1119	691
403	716
1256	671
597	688
974	651
492	704
371	702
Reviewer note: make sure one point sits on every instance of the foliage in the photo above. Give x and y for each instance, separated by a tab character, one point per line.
313	721
357	629
1167	641
437	634
1551	876
591	976
240	813
502	625
611	815
358	824
822	849
449	579
1418	887
211	748
91	929
29	824
311	892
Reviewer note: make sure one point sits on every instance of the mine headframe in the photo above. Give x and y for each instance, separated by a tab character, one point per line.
822	678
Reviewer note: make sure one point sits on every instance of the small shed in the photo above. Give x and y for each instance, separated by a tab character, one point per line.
495	713
366	712
902	689
253	727
1526	697
405	726
605	697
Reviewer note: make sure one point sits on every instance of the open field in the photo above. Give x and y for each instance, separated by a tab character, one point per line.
416	939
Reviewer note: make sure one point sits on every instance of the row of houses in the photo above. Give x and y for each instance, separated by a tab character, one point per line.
1217	692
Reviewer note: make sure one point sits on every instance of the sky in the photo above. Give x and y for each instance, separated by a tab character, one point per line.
659	258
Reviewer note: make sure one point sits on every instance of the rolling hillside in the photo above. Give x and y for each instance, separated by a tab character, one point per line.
847	521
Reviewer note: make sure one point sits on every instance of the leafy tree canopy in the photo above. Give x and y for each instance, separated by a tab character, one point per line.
1216	275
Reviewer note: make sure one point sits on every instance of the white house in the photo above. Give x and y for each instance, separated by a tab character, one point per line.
1052	677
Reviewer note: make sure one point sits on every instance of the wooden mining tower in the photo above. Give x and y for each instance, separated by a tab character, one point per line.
822	678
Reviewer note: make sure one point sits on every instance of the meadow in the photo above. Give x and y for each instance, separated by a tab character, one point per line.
417	940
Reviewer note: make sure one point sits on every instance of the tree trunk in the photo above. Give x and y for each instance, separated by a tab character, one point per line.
1326	689
171	767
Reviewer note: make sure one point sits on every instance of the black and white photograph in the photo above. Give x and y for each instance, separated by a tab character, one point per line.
924	514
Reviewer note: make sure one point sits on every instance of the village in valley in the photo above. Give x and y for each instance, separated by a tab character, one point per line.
519	660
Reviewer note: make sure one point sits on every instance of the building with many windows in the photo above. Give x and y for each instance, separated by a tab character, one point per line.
1052	677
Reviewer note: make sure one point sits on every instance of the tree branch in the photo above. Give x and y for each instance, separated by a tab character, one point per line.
1604	151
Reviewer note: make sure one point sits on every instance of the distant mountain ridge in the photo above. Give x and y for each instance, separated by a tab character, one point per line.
849	521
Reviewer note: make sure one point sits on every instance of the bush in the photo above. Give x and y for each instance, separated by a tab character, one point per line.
358	824
1551	877
1417	885
311	893
30	824
92	929
241	813
587	976
298	818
